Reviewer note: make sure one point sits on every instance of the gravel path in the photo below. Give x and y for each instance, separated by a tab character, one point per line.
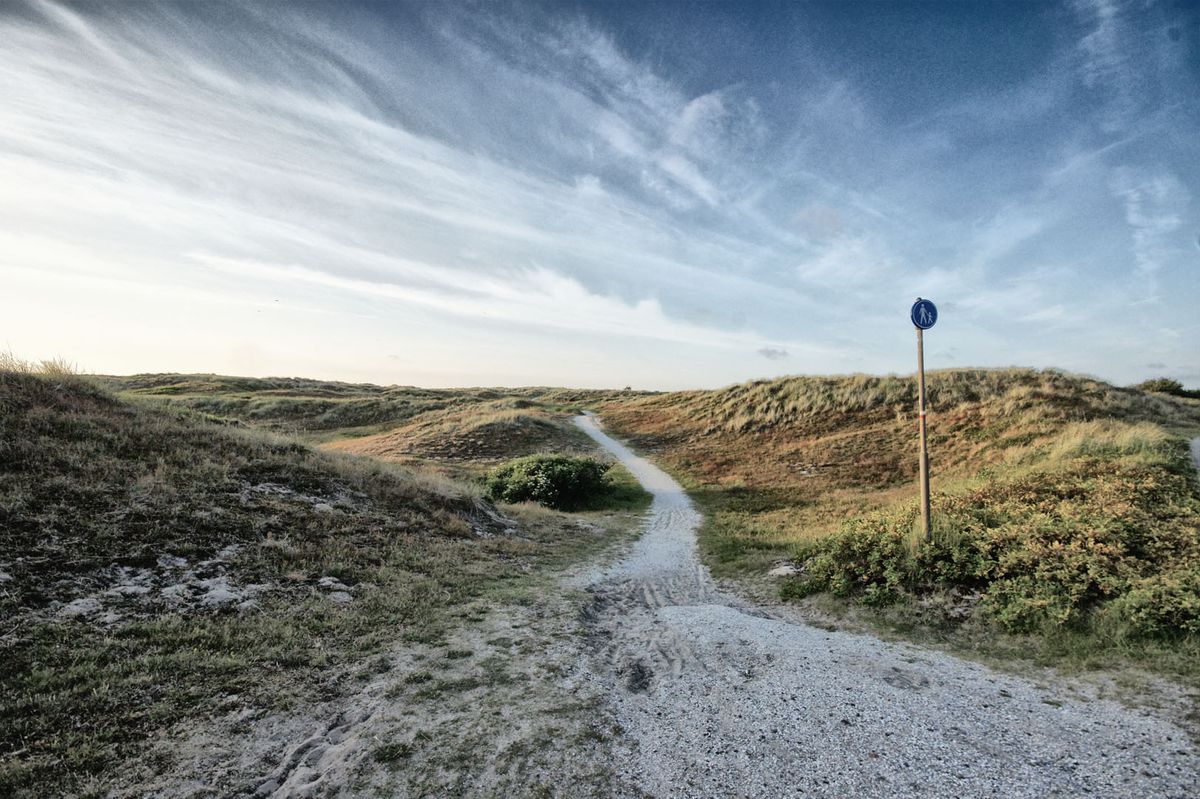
723	699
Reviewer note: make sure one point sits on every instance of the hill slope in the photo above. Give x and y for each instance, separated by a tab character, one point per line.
1060	501
482	433
158	568
324	410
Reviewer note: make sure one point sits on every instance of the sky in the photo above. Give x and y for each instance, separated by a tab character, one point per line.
660	195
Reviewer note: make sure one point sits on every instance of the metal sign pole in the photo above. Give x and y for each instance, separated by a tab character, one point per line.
924	315
925	514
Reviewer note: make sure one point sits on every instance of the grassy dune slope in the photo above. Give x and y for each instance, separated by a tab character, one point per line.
323	410
158	566
483	432
456	432
1061	502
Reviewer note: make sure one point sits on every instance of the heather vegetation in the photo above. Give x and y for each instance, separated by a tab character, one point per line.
1064	506
1103	531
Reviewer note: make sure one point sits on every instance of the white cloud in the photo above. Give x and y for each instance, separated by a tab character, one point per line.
687	175
1154	204
1005	231
849	261
535	297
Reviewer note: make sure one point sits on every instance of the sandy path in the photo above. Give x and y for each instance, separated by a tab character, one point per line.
721	699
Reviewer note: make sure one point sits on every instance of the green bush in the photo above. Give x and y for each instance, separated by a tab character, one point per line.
868	557
552	480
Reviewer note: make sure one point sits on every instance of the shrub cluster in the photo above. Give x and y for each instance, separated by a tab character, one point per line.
1092	541
552	480
1165	385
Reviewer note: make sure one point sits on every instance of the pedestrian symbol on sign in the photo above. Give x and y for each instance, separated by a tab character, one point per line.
924	314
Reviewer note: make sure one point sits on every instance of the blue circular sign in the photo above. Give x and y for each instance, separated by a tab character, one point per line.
923	314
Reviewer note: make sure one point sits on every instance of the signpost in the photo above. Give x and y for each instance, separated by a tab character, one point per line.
924	316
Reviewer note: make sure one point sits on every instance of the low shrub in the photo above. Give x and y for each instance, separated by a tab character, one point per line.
1162	605
868	557
1165	385
1059	547
555	481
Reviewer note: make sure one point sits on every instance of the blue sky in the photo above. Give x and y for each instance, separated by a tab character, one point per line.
658	195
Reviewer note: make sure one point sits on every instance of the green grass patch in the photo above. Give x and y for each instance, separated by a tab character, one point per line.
1102	537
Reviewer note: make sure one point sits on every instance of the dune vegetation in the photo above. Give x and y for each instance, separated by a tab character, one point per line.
326	410
160	565
483	432
165	551
1064	507
559	482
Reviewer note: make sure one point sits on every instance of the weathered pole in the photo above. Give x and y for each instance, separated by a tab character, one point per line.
925	514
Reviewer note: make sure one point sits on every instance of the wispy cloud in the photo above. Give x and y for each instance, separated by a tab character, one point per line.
531	176
1155	204
1104	60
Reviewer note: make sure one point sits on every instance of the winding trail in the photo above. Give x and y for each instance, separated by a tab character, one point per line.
723	699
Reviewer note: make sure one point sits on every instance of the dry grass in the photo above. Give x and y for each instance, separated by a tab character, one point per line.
485	433
324	410
1112	439
52	368
817	403
804	438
